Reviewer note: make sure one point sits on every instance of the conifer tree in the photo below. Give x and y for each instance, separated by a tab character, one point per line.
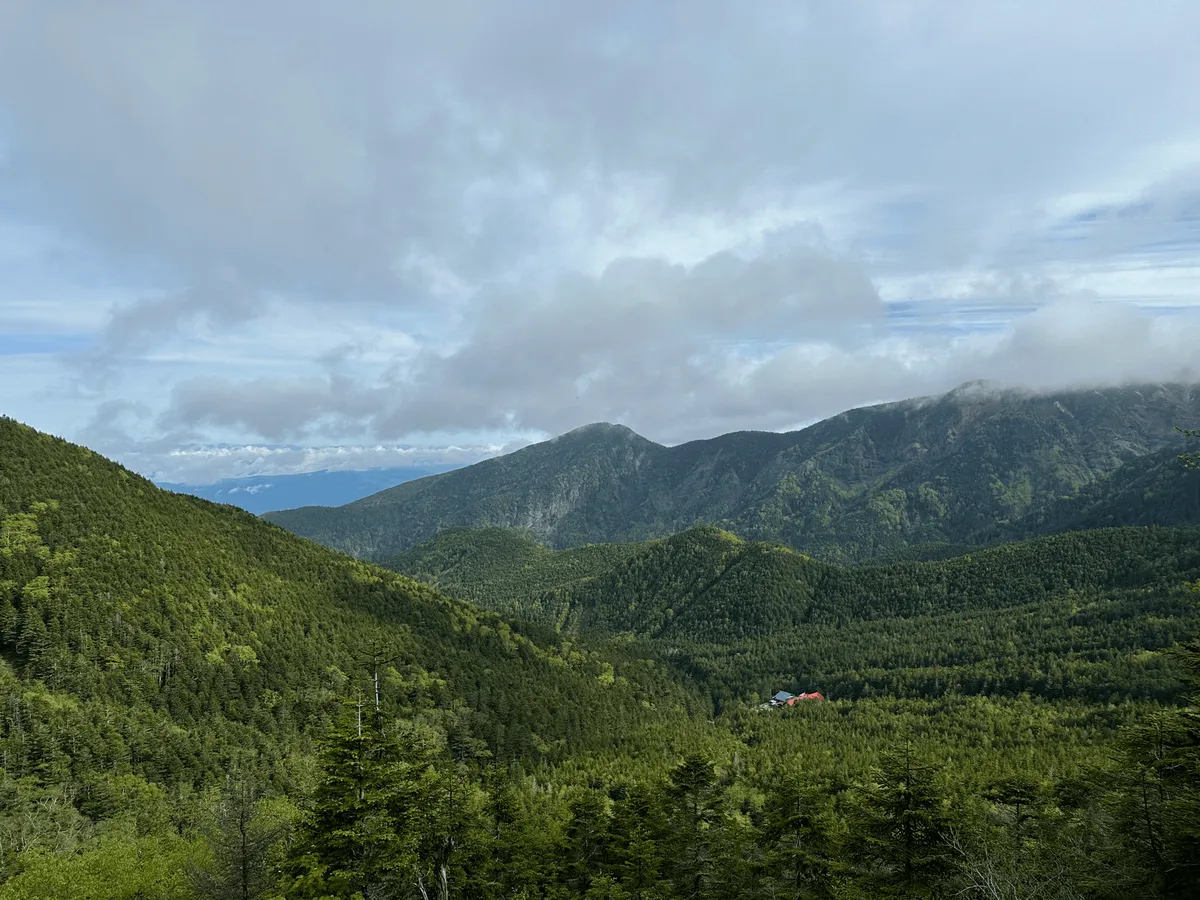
378	805
243	842
586	839
799	833
638	836
904	827
694	798
1158	794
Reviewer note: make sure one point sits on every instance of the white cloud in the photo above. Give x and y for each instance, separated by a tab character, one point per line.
293	222
205	465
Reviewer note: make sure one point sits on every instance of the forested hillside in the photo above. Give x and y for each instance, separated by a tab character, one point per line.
150	637
1151	490
507	569
1079	614
177	610
189	713
976	464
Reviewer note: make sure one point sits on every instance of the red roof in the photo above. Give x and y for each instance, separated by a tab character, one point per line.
815	695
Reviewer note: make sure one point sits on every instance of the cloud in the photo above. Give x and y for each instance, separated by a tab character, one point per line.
293	222
218	304
535	375
641	321
207	465
322	151
271	407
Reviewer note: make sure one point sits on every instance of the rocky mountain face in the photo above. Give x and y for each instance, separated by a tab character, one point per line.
977	461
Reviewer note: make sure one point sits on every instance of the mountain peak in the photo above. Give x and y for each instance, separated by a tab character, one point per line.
599	430
929	471
978	387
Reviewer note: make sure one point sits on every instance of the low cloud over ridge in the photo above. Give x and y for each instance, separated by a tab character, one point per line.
471	223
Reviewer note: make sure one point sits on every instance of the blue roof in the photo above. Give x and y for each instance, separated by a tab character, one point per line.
783	695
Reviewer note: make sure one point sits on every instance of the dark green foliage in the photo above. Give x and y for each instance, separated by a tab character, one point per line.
694	808
1191	459
1158	808
188	708
640	841
800	833
381	822
1156	489
975	465
903	828
586	844
508	571
1080	614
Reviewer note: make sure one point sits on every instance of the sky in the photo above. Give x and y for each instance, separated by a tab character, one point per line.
278	237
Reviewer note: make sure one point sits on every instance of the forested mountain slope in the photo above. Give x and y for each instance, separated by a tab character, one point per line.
175	722
1155	489
977	461
159	634
508	570
1079	613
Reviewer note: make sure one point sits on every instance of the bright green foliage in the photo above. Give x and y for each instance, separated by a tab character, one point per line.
153	868
163	636
187	709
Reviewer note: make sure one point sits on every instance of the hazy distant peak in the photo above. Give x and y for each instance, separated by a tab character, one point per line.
979	387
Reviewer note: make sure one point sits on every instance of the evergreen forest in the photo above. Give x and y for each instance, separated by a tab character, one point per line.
199	705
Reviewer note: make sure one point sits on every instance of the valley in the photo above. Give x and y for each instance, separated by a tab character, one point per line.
586	721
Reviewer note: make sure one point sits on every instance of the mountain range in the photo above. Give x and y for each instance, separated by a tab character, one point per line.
193	696
973	466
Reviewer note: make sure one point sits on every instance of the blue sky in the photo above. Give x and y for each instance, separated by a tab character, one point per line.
296	238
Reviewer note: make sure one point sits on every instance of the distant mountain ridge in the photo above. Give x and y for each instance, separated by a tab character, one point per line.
976	461
263	493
